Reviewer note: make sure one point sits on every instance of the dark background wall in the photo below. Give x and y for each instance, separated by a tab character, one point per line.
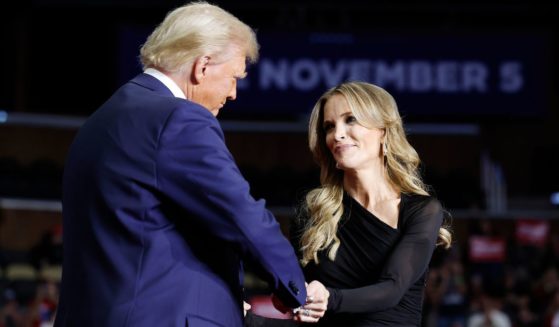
64	58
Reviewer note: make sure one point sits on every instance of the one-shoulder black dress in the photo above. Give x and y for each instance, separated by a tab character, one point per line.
378	276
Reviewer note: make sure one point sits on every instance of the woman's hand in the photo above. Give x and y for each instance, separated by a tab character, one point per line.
317	301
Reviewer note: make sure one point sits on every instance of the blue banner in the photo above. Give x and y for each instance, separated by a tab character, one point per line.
434	75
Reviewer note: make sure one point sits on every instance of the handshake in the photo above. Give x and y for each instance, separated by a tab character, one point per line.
314	308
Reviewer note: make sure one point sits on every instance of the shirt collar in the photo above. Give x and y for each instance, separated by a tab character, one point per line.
168	82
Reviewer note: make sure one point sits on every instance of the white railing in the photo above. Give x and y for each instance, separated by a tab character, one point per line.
300	126
56	206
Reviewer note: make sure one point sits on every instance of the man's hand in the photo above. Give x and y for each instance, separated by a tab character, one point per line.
246	307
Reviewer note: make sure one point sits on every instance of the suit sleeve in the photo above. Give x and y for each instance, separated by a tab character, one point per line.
407	263
196	170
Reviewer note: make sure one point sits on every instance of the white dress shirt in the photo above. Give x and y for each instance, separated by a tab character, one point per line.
168	82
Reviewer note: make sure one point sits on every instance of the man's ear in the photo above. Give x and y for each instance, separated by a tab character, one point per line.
199	69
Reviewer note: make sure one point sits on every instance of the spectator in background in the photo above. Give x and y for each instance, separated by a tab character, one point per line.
546	288
487	254
49	249
42	310
490	312
552	312
453	306
157	217
11	314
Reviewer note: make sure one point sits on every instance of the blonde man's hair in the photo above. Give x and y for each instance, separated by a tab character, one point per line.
195	30
372	106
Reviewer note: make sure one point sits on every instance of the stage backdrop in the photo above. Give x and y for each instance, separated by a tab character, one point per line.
436	75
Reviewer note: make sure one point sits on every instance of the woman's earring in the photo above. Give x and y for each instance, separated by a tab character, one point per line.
337	165
384	148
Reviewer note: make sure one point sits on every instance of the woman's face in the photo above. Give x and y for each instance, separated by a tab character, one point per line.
352	145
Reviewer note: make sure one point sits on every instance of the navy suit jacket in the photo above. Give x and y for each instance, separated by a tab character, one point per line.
157	219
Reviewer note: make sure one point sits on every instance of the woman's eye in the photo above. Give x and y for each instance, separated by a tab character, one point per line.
328	127
350	119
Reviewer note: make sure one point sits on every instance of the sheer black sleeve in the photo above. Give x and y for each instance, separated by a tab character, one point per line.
407	263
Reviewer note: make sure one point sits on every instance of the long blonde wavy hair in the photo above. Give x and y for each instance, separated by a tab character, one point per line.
372	106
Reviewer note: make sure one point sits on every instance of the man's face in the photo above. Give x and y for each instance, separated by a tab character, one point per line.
219	82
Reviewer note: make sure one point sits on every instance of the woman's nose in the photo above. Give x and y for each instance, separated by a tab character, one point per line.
339	133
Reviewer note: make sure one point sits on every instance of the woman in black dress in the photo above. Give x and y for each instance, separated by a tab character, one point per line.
366	236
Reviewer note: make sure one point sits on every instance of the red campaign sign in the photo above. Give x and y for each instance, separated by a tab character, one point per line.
487	249
532	232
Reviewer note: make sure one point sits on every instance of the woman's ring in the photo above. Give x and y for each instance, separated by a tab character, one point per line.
307	312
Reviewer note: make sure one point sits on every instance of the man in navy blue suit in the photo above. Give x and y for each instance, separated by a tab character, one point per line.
157	217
